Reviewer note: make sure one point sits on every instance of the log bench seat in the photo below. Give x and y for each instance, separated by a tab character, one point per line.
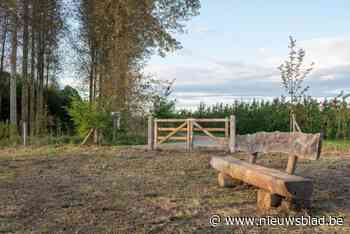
276	186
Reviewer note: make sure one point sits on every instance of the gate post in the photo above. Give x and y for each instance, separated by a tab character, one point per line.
155	135
232	140
189	134
150	133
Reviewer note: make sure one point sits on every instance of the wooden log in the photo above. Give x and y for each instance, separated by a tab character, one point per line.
303	145
266	200
227	181
292	164
268	179
253	157
232	140
150	133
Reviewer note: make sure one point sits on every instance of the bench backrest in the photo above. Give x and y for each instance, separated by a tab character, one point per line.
302	145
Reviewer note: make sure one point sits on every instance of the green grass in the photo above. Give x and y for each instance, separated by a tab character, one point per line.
336	145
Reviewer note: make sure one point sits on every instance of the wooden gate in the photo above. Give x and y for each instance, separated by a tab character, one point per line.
162	131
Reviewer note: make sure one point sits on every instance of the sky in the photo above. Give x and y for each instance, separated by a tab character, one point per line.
231	51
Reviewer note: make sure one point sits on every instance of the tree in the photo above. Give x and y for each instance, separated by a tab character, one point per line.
3	41
293	74
118	36
13	85
25	47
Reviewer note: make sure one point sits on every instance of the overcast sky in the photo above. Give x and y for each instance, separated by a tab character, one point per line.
233	48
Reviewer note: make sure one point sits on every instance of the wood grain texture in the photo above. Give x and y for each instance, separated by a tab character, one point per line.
306	146
268	179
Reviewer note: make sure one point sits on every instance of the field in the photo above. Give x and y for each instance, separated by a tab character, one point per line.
68	189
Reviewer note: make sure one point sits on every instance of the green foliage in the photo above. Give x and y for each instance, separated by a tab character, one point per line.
163	105
164	108
9	134
292	72
330	117
58	102
87	116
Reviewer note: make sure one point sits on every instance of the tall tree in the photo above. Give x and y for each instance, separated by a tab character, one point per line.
13	84
121	35
3	41
25	97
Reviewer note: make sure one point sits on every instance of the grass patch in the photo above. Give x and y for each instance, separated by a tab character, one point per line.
336	145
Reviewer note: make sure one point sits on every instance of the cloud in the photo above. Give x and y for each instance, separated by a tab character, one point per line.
216	80
328	52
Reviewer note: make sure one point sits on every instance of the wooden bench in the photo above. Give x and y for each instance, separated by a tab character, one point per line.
276	187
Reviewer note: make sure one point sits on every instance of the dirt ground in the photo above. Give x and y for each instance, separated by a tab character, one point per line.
127	190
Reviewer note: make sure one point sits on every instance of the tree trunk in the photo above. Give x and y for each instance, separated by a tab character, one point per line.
3	44
32	74
25	62
13	85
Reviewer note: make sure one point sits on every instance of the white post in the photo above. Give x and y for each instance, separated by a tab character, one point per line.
150	133
24	133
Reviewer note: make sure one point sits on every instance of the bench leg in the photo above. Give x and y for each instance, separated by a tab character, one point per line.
227	181
266	200
296	204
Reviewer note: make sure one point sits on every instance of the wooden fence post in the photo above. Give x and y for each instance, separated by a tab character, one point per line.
24	133
188	138
150	133
232	140
292	164
155	136
227	128
191	134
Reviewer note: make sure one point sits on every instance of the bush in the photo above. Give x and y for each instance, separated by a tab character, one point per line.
9	135
87	116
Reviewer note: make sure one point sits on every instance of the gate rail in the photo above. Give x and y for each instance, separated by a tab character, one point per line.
189	126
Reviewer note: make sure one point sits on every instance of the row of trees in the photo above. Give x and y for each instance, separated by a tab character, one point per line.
332	117
117	38
30	35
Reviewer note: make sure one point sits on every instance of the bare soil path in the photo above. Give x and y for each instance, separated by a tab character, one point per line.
128	190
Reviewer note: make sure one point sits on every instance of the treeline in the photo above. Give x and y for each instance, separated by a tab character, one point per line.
331	117
117	38
113	42
30	33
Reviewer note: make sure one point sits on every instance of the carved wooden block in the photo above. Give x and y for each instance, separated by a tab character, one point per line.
266	200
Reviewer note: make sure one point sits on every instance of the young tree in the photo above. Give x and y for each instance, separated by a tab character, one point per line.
293	74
